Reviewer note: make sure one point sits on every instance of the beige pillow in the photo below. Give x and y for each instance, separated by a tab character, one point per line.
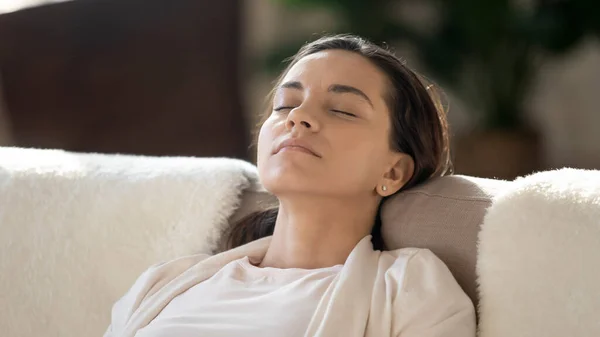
442	215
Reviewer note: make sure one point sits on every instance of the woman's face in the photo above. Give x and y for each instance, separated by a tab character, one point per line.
329	131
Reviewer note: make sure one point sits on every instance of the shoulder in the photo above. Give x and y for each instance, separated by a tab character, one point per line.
425	293
160	273
157	275
150	281
417	257
413	268
420	253
398	261
176	266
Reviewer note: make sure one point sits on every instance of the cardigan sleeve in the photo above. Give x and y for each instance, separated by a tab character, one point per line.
126	305
150	281
430	303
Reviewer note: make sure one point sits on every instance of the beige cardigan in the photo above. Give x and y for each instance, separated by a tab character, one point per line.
407	293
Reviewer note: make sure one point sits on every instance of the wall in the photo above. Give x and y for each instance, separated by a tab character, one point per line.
5	130
154	77
565	106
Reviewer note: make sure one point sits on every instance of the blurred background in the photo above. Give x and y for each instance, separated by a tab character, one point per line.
189	77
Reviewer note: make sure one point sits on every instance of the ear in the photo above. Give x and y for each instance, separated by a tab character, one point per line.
397	174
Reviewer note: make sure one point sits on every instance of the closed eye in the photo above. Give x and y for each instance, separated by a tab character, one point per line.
344	113
281	108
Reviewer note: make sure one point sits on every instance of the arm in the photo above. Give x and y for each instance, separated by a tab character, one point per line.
430	303
126	305
147	284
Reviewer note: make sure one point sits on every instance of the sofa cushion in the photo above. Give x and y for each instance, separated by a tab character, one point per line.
539	252
442	215
76	230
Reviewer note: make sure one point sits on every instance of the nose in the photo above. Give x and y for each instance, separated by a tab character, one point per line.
299	118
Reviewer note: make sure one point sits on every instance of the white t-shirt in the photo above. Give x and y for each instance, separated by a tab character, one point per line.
244	300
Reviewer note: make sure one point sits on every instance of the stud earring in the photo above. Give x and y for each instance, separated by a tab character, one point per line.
383	188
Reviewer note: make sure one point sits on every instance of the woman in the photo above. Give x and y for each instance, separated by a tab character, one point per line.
349	125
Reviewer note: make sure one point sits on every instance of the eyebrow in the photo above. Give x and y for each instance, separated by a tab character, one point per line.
335	88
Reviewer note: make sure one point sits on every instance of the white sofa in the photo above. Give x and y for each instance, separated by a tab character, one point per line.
77	229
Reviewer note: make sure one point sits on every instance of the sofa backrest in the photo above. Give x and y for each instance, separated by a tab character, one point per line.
76	229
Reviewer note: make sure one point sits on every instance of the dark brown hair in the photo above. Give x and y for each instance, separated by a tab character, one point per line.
418	123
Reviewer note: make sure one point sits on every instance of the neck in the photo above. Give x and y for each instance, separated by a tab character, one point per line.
315	233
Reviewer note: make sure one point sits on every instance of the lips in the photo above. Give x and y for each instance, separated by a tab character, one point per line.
296	144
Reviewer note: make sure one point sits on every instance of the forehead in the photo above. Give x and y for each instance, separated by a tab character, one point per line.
340	67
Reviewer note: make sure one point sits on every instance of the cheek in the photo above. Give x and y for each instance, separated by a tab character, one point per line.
266	138
361	158
357	148
264	142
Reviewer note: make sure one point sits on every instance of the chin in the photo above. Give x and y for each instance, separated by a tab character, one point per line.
279	179
289	171
283	180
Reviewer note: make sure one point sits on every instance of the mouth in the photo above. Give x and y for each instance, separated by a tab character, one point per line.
296	149
295	145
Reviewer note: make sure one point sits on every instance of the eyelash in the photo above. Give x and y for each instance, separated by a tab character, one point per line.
336	111
344	113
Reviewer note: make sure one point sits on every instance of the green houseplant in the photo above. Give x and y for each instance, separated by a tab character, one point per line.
486	52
